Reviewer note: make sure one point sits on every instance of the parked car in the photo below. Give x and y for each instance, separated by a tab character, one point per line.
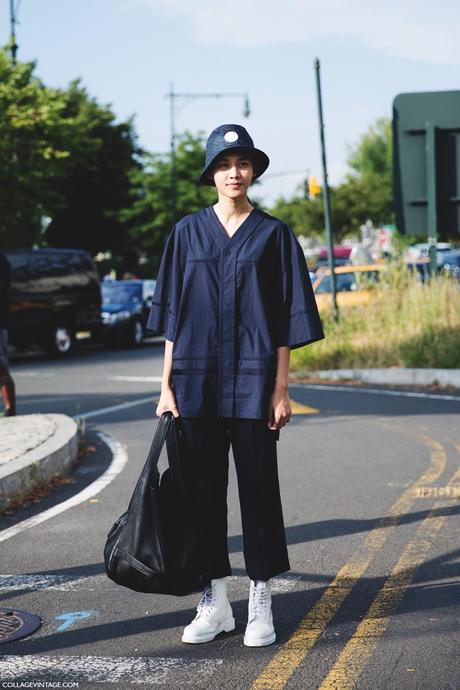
55	298
341	256
450	263
352	284
125	309
421	249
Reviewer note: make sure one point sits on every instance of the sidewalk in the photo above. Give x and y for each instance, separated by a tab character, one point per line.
33	449
390	376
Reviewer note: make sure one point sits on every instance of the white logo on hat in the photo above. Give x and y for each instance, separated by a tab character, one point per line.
230	136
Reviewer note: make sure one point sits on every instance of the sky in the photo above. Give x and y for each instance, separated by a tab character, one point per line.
128	52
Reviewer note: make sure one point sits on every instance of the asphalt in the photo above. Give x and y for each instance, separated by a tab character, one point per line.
359	531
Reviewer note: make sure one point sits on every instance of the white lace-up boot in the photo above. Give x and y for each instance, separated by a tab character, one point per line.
259	630
214	614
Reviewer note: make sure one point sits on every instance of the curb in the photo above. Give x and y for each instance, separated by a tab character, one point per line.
56	456
392	375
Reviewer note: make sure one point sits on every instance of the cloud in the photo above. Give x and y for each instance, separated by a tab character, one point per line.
412	29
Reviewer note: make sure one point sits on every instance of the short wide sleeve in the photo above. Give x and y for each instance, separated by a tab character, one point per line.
168	289
296	313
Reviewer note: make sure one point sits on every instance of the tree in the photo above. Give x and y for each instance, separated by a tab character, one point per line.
148	216
368	188
366	193
30	114
95	180
305	217
61	155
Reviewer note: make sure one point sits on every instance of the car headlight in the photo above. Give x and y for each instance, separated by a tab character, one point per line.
115	318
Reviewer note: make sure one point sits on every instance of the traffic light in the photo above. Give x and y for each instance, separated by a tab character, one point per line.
314	188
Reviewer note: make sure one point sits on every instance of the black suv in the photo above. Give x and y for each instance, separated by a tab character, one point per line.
55	298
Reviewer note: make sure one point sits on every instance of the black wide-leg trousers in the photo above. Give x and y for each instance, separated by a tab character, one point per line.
205	448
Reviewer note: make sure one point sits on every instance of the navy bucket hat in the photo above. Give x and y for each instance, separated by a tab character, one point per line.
232	138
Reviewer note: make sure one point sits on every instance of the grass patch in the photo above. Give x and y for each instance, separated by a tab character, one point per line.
407	324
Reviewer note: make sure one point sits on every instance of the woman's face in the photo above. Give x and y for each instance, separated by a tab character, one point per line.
232	174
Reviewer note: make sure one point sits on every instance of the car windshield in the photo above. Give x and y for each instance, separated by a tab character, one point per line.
348	282
116	293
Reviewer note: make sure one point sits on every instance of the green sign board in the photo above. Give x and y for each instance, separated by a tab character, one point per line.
426	154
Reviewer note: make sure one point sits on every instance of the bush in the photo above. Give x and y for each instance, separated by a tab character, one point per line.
407	324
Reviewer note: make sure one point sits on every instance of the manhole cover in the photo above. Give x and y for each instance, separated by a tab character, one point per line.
15	624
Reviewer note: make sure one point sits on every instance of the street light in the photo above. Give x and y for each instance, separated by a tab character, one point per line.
173	97
14	8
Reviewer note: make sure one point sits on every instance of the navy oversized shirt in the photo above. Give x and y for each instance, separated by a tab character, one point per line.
228	303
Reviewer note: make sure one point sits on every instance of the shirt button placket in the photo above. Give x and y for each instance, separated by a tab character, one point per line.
227	333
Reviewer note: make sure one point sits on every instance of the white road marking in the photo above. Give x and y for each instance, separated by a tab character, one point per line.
107	669
62	583
114	408
69	583
120	457
375	391
139	379
33	374
42	400
284	583
279	583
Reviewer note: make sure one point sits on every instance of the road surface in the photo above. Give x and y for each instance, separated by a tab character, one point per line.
370	484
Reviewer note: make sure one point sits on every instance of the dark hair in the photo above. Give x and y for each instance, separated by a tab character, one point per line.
224	154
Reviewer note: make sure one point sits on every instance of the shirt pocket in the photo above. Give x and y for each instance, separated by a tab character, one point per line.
195	383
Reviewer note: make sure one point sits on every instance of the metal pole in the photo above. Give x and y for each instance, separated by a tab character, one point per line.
172	95
173	155
326	197
432	215
13	45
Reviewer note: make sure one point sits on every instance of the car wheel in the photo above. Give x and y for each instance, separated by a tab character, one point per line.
60	340
136	333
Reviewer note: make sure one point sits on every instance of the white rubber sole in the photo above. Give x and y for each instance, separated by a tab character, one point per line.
259	641
226	626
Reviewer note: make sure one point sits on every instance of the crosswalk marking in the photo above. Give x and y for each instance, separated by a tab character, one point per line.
13	583
77	582
131	670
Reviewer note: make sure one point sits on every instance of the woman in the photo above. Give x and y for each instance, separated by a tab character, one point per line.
233	297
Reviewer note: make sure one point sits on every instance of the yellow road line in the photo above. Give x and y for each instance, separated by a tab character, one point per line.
283	664
357	652
298	408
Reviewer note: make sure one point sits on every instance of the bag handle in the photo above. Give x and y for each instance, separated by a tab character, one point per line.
168	430
150	474
162	433
173	446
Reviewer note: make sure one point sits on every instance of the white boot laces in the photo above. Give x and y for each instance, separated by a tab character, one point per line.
207	602
259	601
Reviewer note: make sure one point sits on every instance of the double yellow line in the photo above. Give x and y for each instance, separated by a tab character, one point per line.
354	656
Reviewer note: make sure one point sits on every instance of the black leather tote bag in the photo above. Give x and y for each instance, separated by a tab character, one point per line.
155	546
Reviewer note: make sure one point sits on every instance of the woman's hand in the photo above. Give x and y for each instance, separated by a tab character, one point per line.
167	402
279	411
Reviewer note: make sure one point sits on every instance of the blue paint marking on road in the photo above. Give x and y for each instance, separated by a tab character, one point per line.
71	617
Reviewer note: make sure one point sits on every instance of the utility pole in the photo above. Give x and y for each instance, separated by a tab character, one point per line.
326	196
173	97
13	22
172	118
